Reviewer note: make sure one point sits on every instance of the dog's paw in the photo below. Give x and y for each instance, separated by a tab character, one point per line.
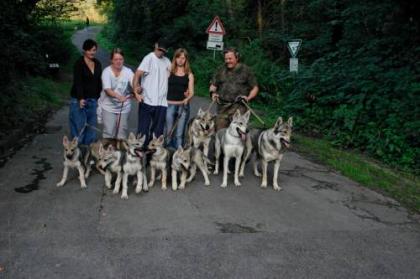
257	174
124	197
109	186
216	172
115	192
181	187
224	185
83	186
241	174
60	184
277	188
138	190
207	183
164	188
263	185
237	183
150	185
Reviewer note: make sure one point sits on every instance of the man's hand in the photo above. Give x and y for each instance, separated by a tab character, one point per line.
138	90
242	98
82	103
215	97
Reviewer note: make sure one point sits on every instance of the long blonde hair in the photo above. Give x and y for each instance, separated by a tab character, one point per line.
177	54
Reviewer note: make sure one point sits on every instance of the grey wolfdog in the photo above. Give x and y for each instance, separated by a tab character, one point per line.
132	164
110	159
200	130
270	145
159	161
72	159
231	141
181	161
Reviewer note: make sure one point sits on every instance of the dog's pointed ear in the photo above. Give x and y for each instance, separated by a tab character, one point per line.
101	149
154	136
161	139
110	148
180	149
131	136
65	140
75	140
237	114
290	121
200	112
247	115
141	137
278	122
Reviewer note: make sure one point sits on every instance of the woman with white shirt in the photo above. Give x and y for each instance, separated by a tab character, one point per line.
115	100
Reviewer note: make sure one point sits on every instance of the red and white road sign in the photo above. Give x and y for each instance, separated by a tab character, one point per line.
216	27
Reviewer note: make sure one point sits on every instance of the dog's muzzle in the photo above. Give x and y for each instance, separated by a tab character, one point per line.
285	142
241	134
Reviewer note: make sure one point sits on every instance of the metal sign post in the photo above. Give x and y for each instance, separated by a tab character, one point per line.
216	32
294	47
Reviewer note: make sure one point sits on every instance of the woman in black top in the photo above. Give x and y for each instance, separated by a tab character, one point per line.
180	92
86	89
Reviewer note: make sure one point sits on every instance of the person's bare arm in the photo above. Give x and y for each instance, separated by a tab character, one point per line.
137	86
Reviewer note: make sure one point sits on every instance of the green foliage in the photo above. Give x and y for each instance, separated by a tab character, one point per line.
358	81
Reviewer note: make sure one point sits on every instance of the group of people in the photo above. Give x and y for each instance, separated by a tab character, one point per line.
162	88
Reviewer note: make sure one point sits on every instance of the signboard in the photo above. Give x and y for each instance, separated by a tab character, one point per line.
216	27
294	47
293	64
215	45
215	37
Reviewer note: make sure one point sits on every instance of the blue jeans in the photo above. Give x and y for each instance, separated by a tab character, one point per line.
154	115
176	139
79	117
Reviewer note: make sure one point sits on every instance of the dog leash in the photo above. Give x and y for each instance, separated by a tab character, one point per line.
176	122
253	112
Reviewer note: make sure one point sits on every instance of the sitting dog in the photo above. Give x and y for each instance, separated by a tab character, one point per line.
132	165
181	161
270	145
92	155
159	161
110	160
231	141
72	159
200	130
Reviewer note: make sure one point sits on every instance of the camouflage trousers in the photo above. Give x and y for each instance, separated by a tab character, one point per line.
225	113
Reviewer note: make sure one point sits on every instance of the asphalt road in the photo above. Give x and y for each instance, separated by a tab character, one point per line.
322	225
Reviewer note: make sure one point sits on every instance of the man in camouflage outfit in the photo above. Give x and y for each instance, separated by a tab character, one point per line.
232	83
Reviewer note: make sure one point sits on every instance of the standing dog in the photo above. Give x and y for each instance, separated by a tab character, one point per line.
132	163
72	159
159	160
270	145
181	161
198	159
231	141
200	130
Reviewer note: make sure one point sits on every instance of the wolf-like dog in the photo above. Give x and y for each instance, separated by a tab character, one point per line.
132	163
159	161
231	141
269	146
72	159
198	159
181	161
92	155
200	130
110	160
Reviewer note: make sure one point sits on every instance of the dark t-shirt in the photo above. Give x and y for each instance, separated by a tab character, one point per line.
233	83
177	85
85	84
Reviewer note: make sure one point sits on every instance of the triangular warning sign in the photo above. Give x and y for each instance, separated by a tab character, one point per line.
294	47
216	27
